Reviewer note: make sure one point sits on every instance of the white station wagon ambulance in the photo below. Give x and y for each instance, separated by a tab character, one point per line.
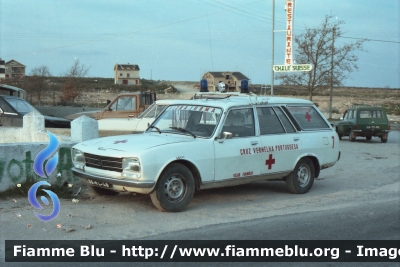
213	140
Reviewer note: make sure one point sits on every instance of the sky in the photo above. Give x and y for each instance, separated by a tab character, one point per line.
180	40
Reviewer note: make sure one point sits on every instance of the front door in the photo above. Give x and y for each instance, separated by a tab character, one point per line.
235	158
122	107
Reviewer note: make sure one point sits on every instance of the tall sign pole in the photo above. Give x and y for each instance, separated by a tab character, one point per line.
288	65
289	32
273	46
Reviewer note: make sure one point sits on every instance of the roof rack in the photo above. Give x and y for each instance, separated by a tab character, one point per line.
219	95
366	106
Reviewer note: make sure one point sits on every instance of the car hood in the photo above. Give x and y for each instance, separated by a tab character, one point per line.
90	114
134	143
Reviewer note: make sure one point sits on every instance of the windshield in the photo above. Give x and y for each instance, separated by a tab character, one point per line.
152	111
20	105
198	121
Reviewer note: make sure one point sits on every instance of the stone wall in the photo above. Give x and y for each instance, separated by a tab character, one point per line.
19	148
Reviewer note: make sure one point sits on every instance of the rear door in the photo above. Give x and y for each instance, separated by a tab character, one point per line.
280	143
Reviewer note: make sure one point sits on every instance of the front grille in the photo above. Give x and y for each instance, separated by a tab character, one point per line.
103	163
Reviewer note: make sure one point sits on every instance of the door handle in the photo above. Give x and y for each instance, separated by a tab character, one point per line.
296	138
253	143
131	116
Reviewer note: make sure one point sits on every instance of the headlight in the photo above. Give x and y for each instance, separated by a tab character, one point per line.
78	159
130	167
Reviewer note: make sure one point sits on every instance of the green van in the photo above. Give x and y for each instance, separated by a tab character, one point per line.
365	121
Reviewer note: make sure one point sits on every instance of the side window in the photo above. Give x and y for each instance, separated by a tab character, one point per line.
239	122
308	118
370	114
269	122
351	114
124	103
5	107
286	123
346	115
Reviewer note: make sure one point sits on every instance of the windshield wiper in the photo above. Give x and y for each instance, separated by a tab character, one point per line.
183	130
154	127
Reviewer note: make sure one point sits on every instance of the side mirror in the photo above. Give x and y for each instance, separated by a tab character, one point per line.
225	135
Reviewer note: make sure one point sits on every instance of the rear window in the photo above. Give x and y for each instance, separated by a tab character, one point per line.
308	118
365	114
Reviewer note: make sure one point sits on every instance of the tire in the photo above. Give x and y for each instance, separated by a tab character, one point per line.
368	138
301	179
174	189
339	135
98	191
383	140
352	136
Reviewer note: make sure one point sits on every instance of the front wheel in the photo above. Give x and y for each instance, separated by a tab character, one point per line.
383	140
352	136
174	189
301	179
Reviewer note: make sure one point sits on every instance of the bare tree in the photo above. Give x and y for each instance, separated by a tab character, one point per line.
72	87
332	63
37	81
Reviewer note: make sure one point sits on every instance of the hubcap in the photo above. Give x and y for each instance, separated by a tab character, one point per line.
174	188
303	175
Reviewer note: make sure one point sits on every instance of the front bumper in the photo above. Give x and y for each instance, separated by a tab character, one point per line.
113	181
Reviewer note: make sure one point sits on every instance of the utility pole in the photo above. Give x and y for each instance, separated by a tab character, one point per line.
333	51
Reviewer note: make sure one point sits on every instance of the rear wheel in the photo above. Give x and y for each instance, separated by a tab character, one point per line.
352	136
383	140
301	179
340	136
174	189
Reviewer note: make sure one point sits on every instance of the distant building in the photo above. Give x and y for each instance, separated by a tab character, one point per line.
126	74
2	69
14	69
231	79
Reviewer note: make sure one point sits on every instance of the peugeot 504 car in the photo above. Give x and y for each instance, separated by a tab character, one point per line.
213	140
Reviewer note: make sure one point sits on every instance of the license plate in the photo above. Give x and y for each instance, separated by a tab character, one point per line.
373	127
100	184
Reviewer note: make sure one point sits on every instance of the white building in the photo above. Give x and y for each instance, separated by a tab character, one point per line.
126	74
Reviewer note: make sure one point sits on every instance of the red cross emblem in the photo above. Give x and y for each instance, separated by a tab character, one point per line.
308	116
270	161
120	141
